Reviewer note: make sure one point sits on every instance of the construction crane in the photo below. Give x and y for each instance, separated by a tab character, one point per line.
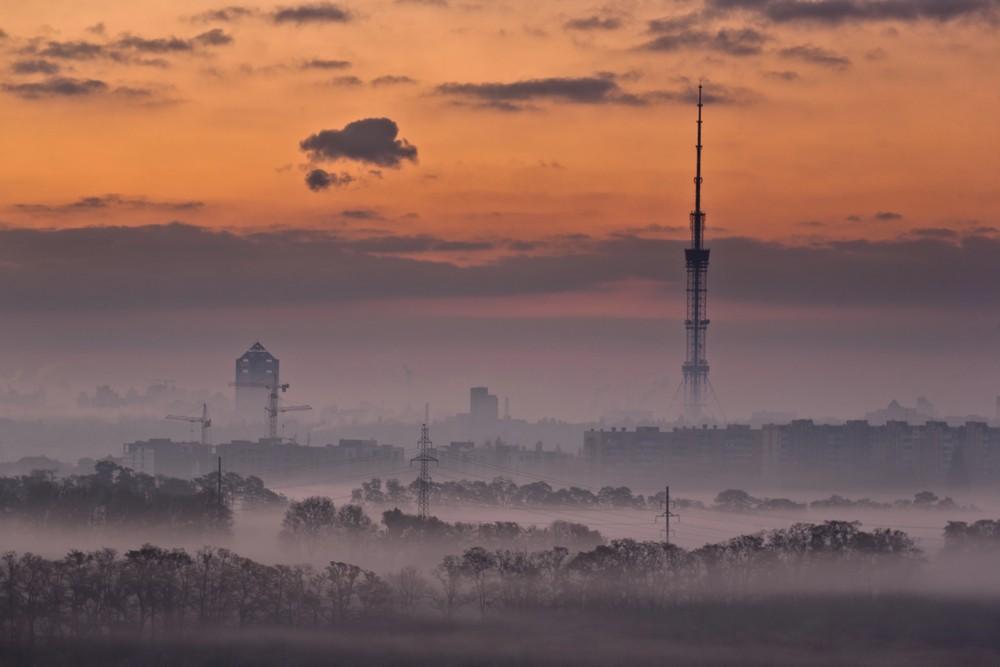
290	408
204	420
272	409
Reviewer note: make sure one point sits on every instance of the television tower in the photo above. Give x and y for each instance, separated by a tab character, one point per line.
424	458
695	368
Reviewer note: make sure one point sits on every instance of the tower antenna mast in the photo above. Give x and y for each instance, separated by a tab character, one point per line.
695	367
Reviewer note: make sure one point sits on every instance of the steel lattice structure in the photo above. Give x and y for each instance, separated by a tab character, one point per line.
424	458
695	367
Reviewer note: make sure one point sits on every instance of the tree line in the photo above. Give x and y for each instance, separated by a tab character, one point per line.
316	523
503	492
738	500
149	591
117	497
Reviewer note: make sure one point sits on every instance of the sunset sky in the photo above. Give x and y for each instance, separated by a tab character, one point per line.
494	191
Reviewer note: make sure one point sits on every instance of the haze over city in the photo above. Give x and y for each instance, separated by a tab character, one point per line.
412	332
521	219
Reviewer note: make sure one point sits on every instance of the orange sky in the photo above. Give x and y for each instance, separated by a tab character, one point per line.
908	126
535	243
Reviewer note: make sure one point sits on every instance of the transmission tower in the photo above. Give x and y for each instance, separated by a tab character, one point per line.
424	458
695	368
667	515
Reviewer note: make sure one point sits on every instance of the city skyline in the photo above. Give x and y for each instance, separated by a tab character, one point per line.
192	177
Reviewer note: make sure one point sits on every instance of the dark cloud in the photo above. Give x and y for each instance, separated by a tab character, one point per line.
321	12
109	201
888	216
348	80
713	94
392	80
320	63
675	23
653	229
224	14
319	179
168	266
734	42
399	245
843	11
937	233
370	140
214	37
60	86
129	49
162	45
361	214
134	93
815	55
154	45
599	89
782	75
36	66
594	23
79	50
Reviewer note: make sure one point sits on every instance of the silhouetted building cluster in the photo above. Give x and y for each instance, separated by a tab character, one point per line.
803	452
268	459
503	456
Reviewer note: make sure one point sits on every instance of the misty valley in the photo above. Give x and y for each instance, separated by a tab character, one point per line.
223	568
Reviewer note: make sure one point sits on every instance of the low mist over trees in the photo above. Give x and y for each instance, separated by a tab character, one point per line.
980	536
117	497
503	492
315	522
151	590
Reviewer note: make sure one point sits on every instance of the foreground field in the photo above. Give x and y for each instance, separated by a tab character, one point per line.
814	631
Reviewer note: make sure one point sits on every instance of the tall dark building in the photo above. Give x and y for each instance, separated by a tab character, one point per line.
256	370
483	406
695	368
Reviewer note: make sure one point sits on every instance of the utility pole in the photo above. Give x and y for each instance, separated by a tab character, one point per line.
425	458
667	514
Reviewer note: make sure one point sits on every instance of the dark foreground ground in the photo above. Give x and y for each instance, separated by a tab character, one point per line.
813	631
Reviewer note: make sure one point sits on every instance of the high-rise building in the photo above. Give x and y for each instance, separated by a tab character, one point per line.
256	372
484	407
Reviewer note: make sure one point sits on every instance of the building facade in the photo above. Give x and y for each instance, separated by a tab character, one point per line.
256	371
484	407
803	453
264	458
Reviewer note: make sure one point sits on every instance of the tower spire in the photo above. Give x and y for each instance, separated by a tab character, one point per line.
698	226
695	367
